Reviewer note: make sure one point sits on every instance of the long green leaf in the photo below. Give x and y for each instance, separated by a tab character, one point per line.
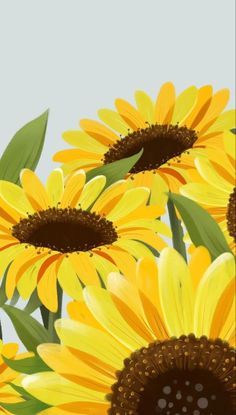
28	366
21	391
202	228
24	149
29	330
29	407
116	170
33	303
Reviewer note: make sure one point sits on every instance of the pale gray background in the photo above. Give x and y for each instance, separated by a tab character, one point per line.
76	56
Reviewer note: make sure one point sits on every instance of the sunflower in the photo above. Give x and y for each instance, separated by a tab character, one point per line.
8	395
217	191
171	132
72	233
161	344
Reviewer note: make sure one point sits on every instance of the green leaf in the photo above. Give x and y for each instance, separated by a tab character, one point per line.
116	170
29	330
3	297
28	366
202	228
21	391
33	303
29	407
24	150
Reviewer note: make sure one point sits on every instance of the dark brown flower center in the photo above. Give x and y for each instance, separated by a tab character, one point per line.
160	143
178	376
231	215
65	230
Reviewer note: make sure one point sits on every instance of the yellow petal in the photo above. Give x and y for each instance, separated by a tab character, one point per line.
62	361
211	176
223	321
146	236
198	264
165	104
83	338
131	200
79	311
230	144
176	292
84	268
91	191
28	280
109	197
209	291
14	195
99	131
123	260
114	120
159	191
24	260
65	156
147	280
184	104
199	109
8	255
84	142
53	389
68	279
102	307
135	248
145	106
103	266
47	287
73	189
55	186
131	116
218	103
225	121
205	194
34	190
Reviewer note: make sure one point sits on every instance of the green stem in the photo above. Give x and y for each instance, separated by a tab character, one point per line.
45	315
55	316
177	230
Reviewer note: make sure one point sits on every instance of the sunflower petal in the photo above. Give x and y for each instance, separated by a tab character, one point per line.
165	104
101	305
82	337
176	291
91	191
34	190
131	116
184	104
209	291
131	200
114	120
99	131
145	106
55	186
69	280
84	142
73	189
48	387
15	197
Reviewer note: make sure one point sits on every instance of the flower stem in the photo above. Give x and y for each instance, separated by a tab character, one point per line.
177	230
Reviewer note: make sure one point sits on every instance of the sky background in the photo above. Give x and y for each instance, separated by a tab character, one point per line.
75	56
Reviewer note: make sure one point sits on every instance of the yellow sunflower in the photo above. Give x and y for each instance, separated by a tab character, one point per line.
8	395
172	131
161	345
72	233
217	191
